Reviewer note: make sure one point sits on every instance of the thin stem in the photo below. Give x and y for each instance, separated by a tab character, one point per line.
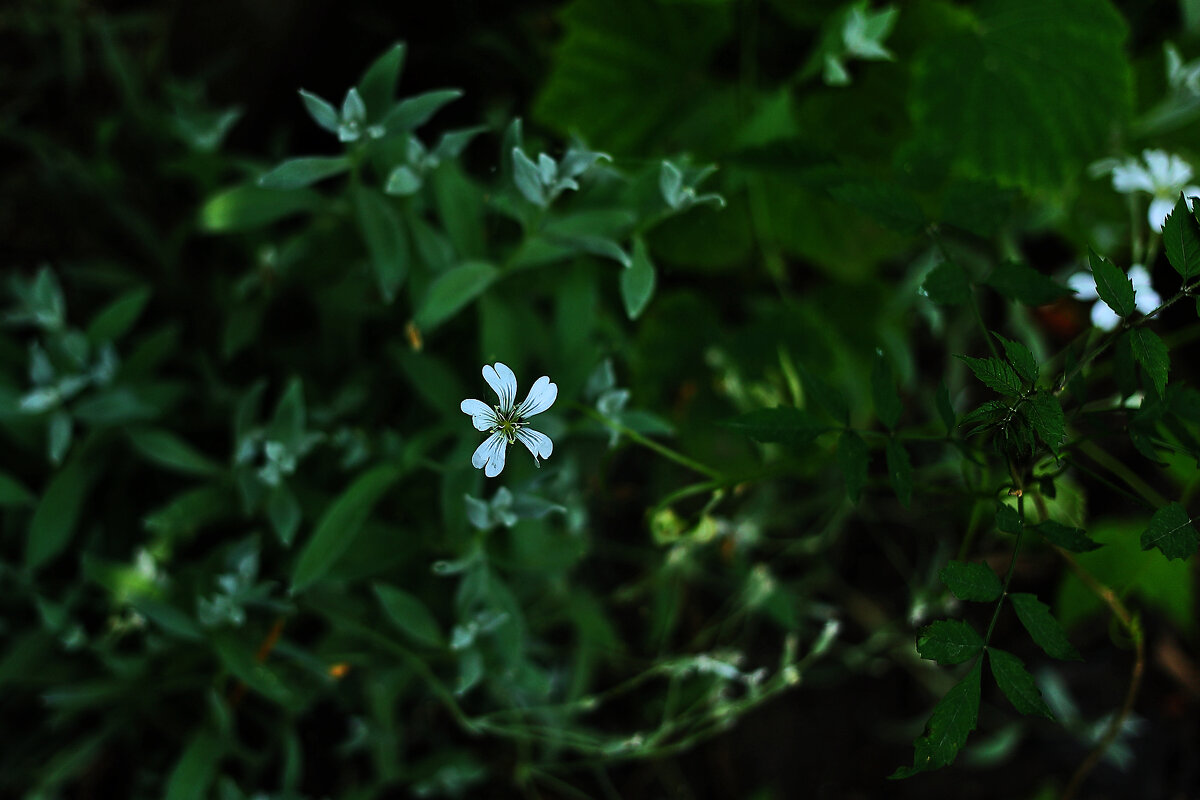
662	450
1012	568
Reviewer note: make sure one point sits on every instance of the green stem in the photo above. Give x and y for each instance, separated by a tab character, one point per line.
662	450
1012	568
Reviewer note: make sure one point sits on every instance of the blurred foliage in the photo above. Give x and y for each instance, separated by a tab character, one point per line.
800	273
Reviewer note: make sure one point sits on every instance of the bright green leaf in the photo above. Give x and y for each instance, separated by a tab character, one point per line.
1151	352
1043	627
528	178
1171	531
949	641
637	282
321	110
410	615
402	182
1113	285
244	208
1016	683
971	581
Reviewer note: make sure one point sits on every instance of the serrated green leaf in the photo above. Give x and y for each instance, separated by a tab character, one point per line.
1023	283
410	615
945	409
947	285
453	290
1074	539
377	86
296	173
57	513
949	641
1007	519
883	391
1016	683
637	282
1000	95
1045	415
340	524
1171	531
996	375
168	450
853	459
114	320
1021	359
1151	352
386	238
952	721
899	471
1113	285
971	581
321	110
1043	627
785	425
1181	240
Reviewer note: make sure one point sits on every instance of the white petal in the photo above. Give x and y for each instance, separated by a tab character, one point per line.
503	383
541	396
485	454
1084	285
1160	166
483	416
496	455
1104	317
1191	193
1132	177
539	444
1146	298
1160	209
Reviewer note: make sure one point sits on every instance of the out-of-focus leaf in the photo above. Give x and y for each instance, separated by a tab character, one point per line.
899	471
244	208
296	173
637	282
410	615
115	320
883	391
413	112
1021	282
168	450
386	238
947	285
377	87
58	512
1074	539
453	290
784	424
853	459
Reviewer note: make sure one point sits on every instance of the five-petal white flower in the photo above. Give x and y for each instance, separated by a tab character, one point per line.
507	421
1103	317
1164	175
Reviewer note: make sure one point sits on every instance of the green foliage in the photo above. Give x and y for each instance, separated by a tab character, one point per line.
949	642
1041	625
971	581
1016	683
1171	531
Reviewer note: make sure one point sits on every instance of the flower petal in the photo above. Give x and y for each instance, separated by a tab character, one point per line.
1132	177
541	396
503	383
1084	285
1104	317
1146	298
539	444
489	456
1160	209
483	416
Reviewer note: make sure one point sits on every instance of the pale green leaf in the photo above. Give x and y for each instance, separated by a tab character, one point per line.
296	173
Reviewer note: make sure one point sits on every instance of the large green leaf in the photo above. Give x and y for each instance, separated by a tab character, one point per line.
296	173
409	614
952	721
949	641
1181	240
996	375
1024	91
1171	531
1043	627
386	238
1016	683
247	207
1151	352
1113	285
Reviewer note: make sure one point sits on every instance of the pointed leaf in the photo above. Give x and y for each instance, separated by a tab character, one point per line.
1021	359
413	112
284	512
637	282
244	208
1181	239
528	178
386	238
1171	531
829	398
1074	539
296	173
1151	352
949	641
453	290
952	721
947	285
118	317
13	492
168	450
1113	285
1023	283
784	424
1044	413
853	459
410	615
971	581
899	471
996	375
378	84
193	774
1043	627
57	513
321	110
1016	683
1007	519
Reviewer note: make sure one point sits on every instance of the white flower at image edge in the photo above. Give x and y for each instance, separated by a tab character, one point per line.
507	422
1164	176
1103	317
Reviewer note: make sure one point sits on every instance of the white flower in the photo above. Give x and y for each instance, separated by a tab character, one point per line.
1103	317
507	421
1164	176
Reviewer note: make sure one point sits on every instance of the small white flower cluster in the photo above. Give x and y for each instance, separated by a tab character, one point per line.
1160	174
507	422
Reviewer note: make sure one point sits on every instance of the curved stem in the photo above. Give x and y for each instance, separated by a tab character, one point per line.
662	450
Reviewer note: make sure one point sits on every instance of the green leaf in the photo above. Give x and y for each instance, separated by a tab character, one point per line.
1021	359
971	581
1181	239
62	430
1113	285
952	721
57	513
853	459
114	320
1151	352
637	282
413	112
1020	282
453	290
386	238
321	110
883	391
460	207
1007	519
1025	91
377	86
193	774
238	658
828	398
1074	539
1171	531
296	173
13	492
947	285
340	524
949	641
164	448
888	204
996	375
410	615
287	421
785	424
168	617
244	208
899	471
403	182
528	178
1016	683
945	409
284	512
1044	413
1043	627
